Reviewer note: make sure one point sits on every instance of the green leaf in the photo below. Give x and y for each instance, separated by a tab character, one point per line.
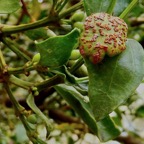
35	34
56	51
64	71
115	79
95	6
104	129
31	103
107	129
120	6
9	6
79	103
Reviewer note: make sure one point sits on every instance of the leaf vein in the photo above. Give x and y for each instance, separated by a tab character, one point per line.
112	77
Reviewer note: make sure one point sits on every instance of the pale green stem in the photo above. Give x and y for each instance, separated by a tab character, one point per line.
32	105
12	47
17	106
128	9
6	30
2	61
21	83
71	9
31	134
82	79
3	65
20	69
77	65
61	6
111	7
23	27
57	79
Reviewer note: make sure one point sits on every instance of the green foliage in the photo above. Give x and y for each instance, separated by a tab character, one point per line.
95	6
9	6
56	51
107	129
39	33
121	6
79	103
115	79
57	94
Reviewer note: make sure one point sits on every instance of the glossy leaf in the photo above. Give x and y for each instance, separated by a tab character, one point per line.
107	129
120	6
115	79
95	6
9	6
79	103
55	51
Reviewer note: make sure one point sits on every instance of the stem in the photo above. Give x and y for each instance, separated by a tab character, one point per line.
21	83
128	9
30	132
6	30
77	65
20	69
111	7
61	6
32	105
71	9
17	106
11	46
39	141
23	27
82	79
25	10
57	79
2	60
26	125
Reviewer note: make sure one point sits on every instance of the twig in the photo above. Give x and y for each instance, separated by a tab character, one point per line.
11	46
128	9
6	30
129	140
77	65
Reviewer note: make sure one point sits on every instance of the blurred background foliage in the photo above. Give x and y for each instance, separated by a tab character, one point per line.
70	128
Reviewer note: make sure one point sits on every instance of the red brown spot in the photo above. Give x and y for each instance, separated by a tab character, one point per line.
82	50
101	32
96	58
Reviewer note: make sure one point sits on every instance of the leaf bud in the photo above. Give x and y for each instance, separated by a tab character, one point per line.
36	59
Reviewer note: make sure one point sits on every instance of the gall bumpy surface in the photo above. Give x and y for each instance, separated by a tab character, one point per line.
102	34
